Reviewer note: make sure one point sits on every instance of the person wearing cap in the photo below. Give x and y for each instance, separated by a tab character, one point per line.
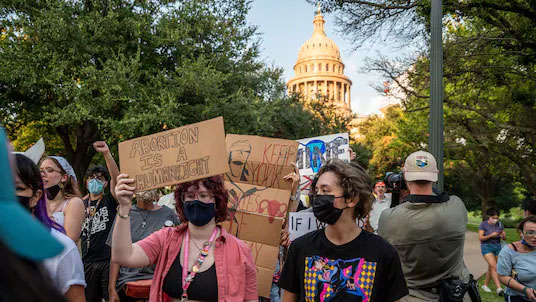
24	241
65	270
101	209
63	198
381	203
428	231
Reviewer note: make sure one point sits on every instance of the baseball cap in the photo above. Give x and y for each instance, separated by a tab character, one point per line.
19	231
420	165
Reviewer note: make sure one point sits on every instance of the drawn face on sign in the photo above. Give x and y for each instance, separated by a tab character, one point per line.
317	149
238	158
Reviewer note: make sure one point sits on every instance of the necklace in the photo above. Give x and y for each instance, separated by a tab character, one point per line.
90	212
144	218
187	278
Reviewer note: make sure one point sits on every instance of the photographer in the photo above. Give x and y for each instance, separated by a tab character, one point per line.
428	231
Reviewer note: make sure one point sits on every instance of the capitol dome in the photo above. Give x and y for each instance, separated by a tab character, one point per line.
319	69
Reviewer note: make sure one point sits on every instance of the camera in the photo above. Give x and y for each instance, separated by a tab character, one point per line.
394	182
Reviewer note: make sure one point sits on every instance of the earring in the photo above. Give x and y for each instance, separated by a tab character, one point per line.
61	185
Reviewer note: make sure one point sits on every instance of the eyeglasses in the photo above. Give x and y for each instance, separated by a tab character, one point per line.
99	177
49	171
530	233
201	196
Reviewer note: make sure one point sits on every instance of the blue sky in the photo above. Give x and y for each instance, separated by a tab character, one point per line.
285	25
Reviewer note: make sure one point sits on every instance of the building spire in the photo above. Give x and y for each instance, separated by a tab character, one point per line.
318	22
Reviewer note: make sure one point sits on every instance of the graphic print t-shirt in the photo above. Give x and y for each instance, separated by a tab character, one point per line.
96	228
365	269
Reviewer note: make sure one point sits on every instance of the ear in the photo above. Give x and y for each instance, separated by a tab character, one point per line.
35	198
64	178
352	202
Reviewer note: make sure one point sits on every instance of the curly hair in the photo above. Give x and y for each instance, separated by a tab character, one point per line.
354	181
215	185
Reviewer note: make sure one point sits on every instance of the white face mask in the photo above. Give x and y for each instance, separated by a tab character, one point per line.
493	221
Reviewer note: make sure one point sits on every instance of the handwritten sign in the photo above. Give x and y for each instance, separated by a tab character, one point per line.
175	156
315	151
301	223
259	196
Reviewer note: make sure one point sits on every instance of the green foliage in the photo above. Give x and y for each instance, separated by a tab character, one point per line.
114	70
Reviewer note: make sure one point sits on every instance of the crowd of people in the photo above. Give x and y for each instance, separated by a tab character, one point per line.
123	246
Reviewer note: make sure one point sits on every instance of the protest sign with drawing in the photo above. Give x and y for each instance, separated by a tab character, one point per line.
315	151
175	156
259	196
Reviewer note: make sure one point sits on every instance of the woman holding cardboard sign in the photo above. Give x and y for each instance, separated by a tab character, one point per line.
197	261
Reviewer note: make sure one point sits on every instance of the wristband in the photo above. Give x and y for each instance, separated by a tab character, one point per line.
508	284
525	290
123	216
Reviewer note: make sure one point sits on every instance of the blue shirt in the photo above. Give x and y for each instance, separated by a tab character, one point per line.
523	263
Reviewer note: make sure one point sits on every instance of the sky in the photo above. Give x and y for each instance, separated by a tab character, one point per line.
285	25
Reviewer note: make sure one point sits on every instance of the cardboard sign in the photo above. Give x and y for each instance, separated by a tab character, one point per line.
260	161
175	156
259	196
315	151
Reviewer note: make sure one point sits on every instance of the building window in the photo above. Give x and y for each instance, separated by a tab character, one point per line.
305	68
319	67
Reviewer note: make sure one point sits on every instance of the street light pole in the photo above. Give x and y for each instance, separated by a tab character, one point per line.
435	140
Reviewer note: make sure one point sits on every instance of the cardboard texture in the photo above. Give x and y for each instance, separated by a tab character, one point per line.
175	156
260	161
261	200
264	281
315	151
254	227
263	254
259	196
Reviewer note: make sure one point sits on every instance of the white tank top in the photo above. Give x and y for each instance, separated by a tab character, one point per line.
59	216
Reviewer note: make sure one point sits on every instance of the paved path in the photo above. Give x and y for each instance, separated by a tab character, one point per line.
472	256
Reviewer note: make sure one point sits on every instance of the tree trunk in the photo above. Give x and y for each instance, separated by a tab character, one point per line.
80	158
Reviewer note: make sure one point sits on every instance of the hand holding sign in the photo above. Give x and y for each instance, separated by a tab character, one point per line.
295	177
124	191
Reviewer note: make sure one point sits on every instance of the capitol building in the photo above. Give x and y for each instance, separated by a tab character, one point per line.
319	69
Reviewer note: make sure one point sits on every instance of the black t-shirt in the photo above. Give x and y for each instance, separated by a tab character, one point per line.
365	269
99	218
204	287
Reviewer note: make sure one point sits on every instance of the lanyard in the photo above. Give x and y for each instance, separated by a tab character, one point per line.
188	278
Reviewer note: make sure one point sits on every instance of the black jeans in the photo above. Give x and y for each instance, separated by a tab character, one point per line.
97	276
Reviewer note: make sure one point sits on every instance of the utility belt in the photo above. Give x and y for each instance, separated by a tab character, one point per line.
453	289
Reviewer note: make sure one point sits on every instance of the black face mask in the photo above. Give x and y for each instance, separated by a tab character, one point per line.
198	212
52	192
324	210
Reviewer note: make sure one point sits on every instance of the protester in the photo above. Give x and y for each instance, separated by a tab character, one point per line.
22	279
219	267
62	194
428	231
490	233
381	202
342	262
66	270
529	207
517	264
99	217
145	219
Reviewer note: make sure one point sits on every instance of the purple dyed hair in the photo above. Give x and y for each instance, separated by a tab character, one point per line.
29	174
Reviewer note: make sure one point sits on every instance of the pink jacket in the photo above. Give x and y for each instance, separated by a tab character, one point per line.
235	267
